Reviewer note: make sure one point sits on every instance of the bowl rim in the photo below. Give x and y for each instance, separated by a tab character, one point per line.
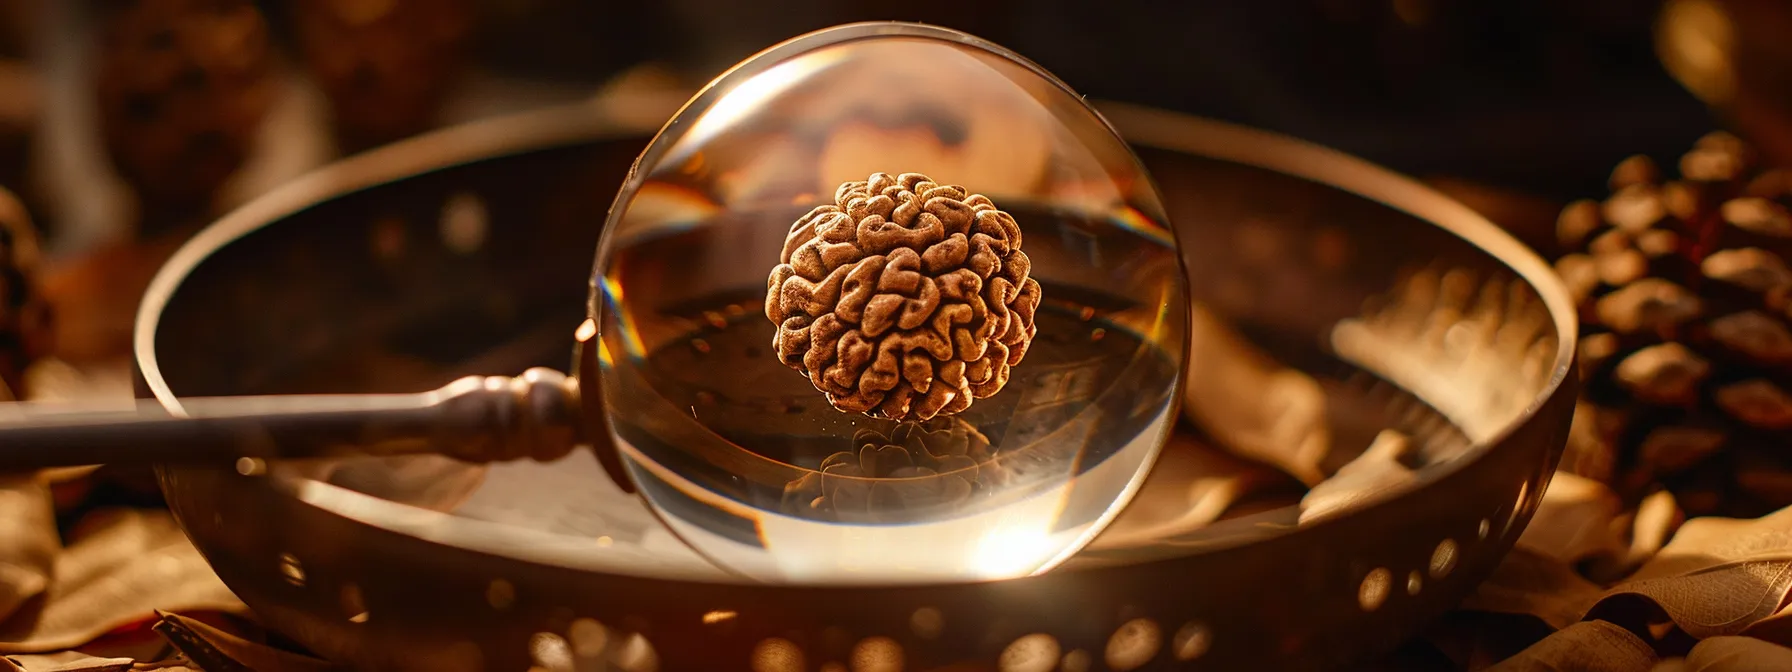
597	119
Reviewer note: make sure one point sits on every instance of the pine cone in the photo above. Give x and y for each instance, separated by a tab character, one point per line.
183	86
1686	343
905	299
25	318
936	464
385	65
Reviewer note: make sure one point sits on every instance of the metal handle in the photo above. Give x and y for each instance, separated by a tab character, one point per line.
479	419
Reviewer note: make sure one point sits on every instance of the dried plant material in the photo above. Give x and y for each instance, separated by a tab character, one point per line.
433	482
1590	646
218	651
1656	520
1582	523
1252	405
28	541
1776	628
1738	654
1478	640
1648	305
1702	337
1719	576
1529	583
1667	374
41	661
1379	469
905	299
1578	519
1580	273
121	566
1192	485
79	664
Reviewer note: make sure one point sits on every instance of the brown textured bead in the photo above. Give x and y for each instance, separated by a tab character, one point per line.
904	299
183	86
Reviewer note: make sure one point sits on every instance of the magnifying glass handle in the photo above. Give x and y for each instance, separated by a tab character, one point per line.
478	419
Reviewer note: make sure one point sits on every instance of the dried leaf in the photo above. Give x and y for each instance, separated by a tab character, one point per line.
168	666
1718	576
1776	628
431	482
1192	485
1529	583
1588	646
89	665
1578	519
1738	654
1656	520
28	541
121	567
1476	640
1252	405
217	650
1373	473
40	661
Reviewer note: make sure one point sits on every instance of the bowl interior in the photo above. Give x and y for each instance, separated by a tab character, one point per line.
1325	317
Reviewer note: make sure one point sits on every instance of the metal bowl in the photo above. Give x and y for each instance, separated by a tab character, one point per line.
468	251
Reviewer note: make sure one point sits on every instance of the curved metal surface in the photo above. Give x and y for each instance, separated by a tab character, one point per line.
251	306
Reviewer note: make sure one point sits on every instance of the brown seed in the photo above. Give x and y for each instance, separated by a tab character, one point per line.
1597	348
1759	403
1656	243
1577	221
1669	450
1635	208
1750	267
1667	373
1611	242
1717	157
1638	169
1651	303
1755	335
1580	273
1622	268
1681	200
1758	215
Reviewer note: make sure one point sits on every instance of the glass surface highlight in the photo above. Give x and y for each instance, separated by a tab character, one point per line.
745	458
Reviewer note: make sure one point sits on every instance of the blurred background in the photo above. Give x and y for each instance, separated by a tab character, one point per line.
1541	96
